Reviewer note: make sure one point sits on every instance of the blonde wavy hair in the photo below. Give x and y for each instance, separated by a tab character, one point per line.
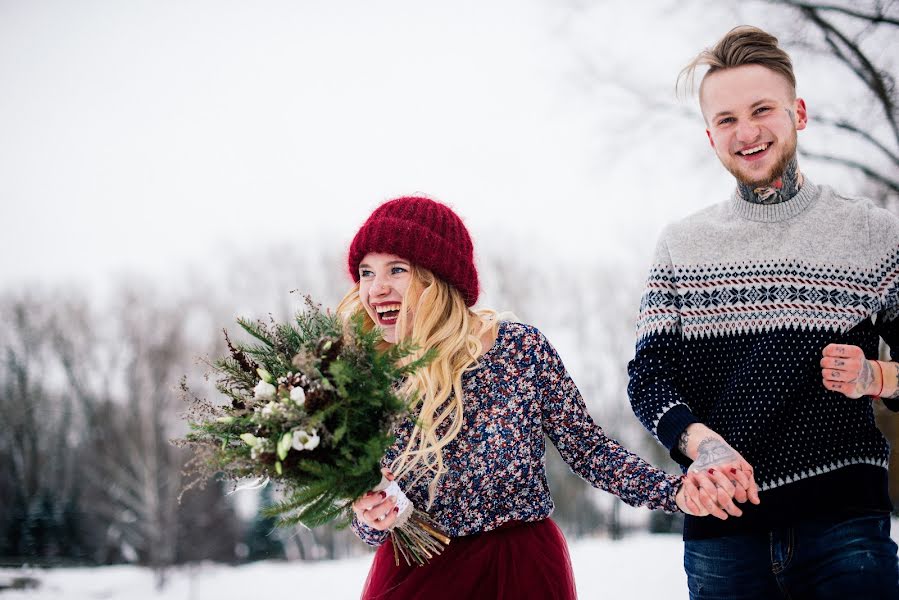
442	322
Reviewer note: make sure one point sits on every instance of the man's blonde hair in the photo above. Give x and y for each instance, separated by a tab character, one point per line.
743	45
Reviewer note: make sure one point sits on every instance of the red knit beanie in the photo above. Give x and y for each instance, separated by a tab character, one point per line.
424	232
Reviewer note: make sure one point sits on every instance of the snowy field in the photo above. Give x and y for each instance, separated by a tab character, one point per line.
645	566
642	566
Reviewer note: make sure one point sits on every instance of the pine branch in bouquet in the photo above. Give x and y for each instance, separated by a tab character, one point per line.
313	403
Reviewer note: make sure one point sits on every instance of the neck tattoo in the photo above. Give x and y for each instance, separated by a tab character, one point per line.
780	190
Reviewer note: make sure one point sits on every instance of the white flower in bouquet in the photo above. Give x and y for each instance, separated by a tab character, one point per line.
258	445
305	441
272	408
298	396
264	391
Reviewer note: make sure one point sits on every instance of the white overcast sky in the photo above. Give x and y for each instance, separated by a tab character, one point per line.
139	136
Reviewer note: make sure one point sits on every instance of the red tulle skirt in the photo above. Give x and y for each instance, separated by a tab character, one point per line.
520	560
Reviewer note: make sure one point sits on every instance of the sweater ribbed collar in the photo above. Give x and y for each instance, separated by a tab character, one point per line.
772	213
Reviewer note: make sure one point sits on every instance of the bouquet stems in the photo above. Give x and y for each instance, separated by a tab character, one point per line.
418	539
416	536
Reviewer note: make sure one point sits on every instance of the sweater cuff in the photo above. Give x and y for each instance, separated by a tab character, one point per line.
670	428
891	403
369	535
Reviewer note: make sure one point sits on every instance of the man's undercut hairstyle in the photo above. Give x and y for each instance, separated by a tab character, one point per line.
743	45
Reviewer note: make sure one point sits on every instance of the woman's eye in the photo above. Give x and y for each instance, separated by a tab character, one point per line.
397	270
365	273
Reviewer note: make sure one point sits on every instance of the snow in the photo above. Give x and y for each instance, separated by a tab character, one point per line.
642	566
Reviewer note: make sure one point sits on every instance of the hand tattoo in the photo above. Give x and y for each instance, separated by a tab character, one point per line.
780	190
895	393
712	451
683	441
865	379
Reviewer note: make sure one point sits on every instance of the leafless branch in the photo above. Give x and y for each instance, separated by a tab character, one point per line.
850	54
876	17
870	173
854	129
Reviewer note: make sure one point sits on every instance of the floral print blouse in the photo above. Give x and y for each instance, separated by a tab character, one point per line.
518	392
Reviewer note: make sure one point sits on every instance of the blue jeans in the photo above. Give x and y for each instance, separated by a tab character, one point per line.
839	558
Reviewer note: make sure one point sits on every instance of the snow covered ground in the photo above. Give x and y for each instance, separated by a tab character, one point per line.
642	566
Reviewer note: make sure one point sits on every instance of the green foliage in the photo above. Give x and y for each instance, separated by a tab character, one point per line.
339	425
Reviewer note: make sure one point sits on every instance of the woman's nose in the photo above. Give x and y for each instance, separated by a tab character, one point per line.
380	287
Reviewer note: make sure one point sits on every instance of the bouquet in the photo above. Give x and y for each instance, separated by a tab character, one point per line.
312	406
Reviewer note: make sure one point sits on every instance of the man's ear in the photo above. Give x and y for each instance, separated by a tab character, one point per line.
711	141
801	114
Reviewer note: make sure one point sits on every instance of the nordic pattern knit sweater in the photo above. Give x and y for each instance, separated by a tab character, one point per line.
518	393
739	305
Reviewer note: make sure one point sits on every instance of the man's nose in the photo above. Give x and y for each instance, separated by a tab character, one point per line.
747	132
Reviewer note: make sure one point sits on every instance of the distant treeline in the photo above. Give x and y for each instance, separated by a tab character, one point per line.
89	398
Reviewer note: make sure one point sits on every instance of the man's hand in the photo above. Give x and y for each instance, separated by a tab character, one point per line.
718	475
845	369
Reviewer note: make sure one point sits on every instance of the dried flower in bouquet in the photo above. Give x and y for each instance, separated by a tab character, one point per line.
313	404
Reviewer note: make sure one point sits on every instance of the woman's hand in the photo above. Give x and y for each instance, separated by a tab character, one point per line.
375	509
701	496
689	499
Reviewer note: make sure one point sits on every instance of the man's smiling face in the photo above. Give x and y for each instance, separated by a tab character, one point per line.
752	116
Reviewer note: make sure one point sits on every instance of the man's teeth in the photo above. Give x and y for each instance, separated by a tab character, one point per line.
387	308
753	150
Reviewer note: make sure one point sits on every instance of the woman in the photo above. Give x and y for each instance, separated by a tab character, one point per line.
474	457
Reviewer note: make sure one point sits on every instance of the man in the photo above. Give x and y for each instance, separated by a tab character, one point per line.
757	335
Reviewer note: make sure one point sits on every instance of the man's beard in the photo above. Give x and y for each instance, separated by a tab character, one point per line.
773	175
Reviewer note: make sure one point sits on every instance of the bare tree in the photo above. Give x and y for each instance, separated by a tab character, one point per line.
123	367
850	41
89	402
851	35
38	484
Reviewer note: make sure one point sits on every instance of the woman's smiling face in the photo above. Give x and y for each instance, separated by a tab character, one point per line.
383	281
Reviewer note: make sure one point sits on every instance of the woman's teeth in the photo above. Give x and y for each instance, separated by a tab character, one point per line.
388	312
